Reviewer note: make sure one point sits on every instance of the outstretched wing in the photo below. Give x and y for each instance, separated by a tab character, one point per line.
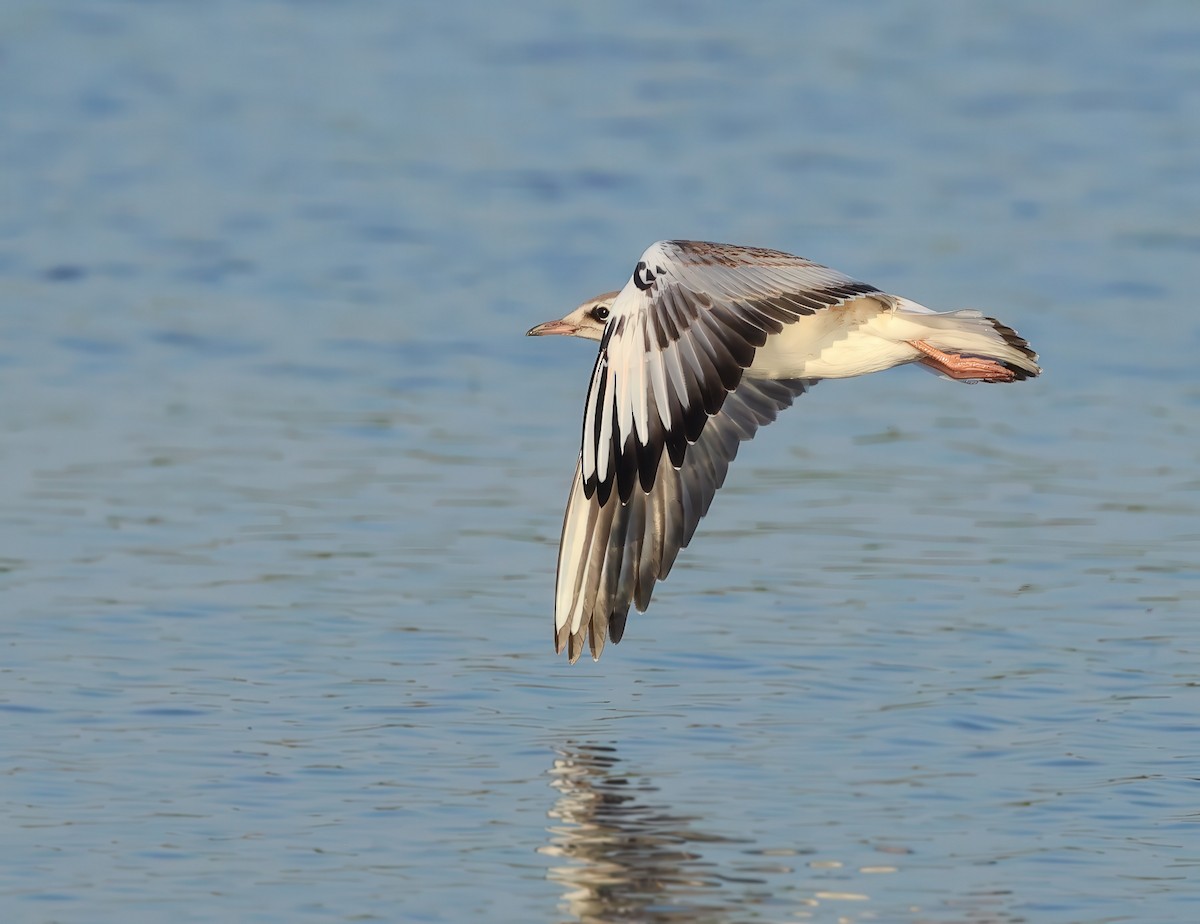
613	552
667	406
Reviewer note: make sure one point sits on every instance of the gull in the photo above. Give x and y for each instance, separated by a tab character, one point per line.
705	344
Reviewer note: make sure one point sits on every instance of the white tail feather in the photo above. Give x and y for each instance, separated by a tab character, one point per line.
967	332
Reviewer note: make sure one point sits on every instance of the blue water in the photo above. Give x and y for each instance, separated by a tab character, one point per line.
282	479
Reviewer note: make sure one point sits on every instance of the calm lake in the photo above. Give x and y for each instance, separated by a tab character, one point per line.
282	479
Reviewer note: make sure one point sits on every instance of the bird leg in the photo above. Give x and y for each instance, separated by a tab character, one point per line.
957	366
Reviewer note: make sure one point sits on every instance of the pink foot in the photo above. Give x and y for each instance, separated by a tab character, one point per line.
957	366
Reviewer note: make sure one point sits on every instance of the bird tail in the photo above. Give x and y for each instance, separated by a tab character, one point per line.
972	334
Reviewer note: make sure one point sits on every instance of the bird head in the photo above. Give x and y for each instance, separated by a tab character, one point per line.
586	321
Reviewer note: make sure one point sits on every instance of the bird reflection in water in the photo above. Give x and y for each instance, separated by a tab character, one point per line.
628	859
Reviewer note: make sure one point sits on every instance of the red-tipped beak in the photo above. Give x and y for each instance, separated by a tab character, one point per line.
552	327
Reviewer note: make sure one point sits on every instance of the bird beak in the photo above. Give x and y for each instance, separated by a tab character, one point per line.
552	327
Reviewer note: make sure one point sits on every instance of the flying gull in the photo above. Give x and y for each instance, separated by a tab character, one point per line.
705	344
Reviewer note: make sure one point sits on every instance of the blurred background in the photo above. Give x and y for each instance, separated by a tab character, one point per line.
282	480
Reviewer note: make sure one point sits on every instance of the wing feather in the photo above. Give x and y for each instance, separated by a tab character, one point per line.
632	545
668	405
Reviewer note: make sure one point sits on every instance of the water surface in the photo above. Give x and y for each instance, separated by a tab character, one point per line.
283	481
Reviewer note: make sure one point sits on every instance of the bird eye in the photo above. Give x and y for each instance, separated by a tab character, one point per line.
600	314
